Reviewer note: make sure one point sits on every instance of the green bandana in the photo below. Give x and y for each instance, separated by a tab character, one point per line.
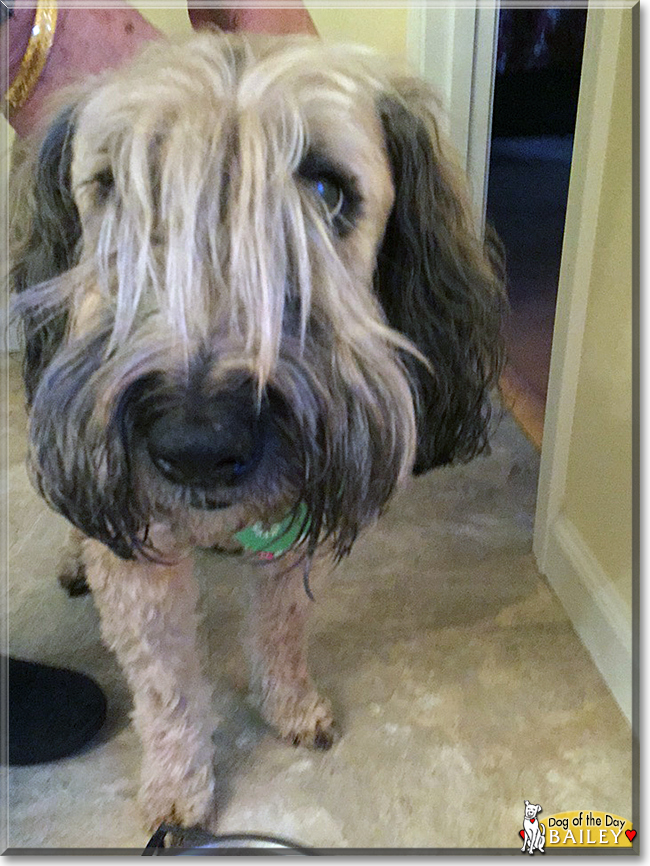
271	542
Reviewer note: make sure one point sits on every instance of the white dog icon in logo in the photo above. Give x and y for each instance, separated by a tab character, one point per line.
533	832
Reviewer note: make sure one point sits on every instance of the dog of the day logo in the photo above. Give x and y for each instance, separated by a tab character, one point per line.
534	833
579	829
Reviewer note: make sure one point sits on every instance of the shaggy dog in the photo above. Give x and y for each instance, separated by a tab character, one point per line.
254	301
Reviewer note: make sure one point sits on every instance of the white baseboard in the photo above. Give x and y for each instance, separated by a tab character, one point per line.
599	615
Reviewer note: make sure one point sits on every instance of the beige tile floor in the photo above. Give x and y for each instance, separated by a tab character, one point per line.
460	685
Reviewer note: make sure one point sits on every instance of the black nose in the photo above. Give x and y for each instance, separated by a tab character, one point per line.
208	443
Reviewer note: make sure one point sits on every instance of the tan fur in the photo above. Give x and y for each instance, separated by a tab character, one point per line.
148	618
277	644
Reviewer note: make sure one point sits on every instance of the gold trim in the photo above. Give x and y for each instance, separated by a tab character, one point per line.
36	53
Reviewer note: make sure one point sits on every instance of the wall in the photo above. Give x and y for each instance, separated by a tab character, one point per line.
583	531
170	21
599	479
383	29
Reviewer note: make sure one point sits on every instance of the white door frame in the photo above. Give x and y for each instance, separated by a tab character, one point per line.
453	47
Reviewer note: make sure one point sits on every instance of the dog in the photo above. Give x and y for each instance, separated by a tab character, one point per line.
534	833
254	302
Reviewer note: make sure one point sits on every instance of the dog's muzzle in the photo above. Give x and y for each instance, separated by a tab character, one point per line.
207	443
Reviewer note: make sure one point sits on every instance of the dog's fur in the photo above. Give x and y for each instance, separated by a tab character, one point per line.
177	245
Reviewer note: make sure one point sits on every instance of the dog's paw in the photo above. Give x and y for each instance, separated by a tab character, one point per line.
71	570
321	736
188	802
72	578
303	719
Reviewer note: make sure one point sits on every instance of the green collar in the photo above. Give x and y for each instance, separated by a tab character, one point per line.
271	542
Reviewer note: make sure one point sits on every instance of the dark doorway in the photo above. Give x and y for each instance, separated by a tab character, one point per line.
539	59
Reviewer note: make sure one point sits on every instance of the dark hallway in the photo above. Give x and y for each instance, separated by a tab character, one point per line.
536	92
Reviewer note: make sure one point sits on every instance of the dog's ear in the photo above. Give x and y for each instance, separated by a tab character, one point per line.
45	232
438	284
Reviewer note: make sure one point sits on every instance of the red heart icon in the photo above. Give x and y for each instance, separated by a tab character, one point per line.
522	834
630	834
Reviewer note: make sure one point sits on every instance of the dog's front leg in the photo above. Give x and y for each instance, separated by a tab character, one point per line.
148	617
277	643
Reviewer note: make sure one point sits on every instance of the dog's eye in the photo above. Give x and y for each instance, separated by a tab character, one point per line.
101	184
104	180
332	196
336	189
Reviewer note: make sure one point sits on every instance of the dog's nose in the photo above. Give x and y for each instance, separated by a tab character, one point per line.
207	446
